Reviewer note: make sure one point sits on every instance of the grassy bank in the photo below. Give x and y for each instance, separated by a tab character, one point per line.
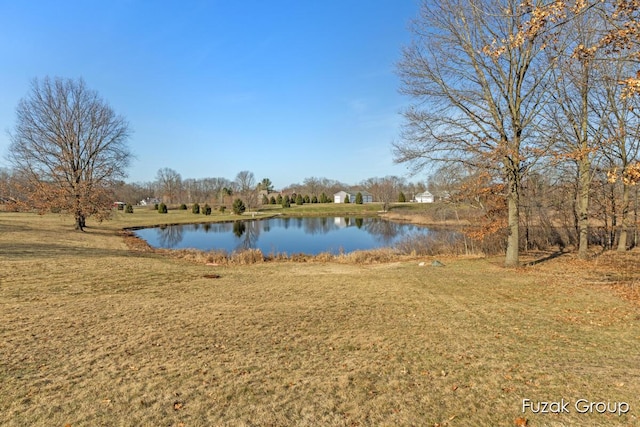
146	216
93	333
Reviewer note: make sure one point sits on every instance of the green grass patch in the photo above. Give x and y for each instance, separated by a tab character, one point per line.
93	333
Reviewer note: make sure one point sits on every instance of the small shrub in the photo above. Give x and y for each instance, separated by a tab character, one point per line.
401	197
307	199
346	199
155	206
299	200
222	209
286	202
279	200
206	209
162	208
314	199
359	198
183	207
129	208
272	200
238	207
265	199
195	208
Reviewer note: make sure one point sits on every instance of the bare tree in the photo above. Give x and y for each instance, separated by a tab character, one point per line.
212	188
620	39
384	190
246	183
477	94
71	146
10	189
312	185
621	146
169	184
576	122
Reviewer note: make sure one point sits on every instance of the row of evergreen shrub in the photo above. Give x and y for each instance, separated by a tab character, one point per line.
299	199
195	208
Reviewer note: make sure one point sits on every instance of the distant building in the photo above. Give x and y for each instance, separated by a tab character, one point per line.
366	196
425	197
149	201
341	196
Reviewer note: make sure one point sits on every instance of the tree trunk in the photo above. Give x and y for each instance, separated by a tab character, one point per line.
622	240
79	215
635	220
80	221
513	202
583	208
611	233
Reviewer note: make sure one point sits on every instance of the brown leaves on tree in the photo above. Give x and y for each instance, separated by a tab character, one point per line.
545	21
486	195
629	176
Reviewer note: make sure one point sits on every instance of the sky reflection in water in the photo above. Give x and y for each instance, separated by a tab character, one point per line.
312	235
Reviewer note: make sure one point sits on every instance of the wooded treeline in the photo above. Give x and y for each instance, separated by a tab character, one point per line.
534	105
171	188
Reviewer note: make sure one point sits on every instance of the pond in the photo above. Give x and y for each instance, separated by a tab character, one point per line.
309	235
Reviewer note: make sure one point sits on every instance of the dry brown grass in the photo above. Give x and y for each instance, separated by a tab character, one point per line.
95	333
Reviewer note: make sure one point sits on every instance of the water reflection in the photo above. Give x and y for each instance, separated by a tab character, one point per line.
284	235
238	228
385	231
170	236
248	234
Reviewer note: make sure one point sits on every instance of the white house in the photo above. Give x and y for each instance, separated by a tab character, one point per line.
425	197
340	196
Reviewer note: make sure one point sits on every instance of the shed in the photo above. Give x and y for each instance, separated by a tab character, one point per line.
341	196
425	197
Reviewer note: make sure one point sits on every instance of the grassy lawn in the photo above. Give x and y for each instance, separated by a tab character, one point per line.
94	333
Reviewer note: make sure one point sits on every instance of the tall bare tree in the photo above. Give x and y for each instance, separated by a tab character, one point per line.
478	94
621	147
312	185
576	119
169	184
71	146
246	184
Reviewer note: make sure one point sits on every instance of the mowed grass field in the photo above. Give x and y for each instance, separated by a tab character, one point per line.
94	333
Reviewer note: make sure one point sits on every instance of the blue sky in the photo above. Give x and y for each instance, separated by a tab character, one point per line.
287	89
